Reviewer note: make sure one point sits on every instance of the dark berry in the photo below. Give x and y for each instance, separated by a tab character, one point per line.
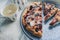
35	21
32	18
36	29
27	11
31	7
40	9
28	23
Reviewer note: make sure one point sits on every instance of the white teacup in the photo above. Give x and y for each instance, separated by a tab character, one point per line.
10	11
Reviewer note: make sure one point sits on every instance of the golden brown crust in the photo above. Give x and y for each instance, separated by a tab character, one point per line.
56	18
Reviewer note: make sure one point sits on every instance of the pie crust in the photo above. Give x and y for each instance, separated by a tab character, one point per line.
56	18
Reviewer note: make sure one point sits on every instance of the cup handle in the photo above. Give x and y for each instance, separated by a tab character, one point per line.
2	17
12	18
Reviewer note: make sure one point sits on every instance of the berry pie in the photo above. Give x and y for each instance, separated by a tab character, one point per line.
32	18
49	10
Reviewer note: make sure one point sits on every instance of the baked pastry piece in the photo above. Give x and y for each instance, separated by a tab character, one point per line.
32	18
49	10
51	13
47	7
56	18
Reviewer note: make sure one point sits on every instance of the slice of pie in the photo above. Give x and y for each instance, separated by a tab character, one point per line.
32	18
56	18
47	7
49	11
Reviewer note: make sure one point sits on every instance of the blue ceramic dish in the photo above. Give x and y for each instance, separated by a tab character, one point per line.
48	34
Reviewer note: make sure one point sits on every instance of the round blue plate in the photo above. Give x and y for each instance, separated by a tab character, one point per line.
48	32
